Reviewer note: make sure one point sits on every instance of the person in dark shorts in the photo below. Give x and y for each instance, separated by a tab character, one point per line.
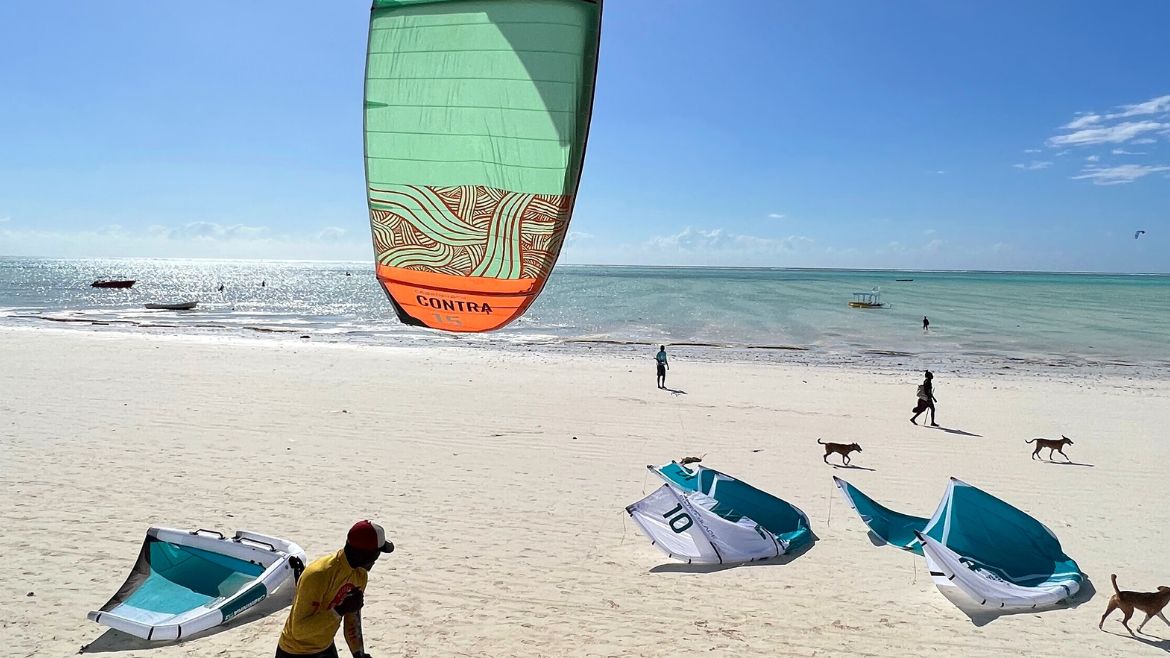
925	324
663	365
925	400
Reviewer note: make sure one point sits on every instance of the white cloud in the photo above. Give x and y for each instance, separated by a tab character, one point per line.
1118	175
1152	106
1125	152
192	240
1115	134
331	234
940	171
1033	165
207	231
1138	123
577	236
1092	158
1031	150
1083	121
776	215
5	220
716	243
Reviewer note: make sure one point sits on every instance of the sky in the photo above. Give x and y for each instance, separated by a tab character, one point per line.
936	135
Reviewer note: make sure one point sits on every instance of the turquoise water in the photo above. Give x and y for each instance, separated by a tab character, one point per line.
988	317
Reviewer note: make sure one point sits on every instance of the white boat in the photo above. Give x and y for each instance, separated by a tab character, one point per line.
185	582
174	306
871	299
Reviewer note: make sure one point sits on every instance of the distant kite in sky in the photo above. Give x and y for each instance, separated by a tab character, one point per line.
1138	234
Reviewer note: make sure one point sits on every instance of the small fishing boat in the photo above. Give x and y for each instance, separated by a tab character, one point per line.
112	283
871	299
903	279
176	306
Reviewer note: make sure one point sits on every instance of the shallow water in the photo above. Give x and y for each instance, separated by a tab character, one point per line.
1055	319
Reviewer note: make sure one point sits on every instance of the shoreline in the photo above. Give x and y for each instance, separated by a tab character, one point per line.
1077	367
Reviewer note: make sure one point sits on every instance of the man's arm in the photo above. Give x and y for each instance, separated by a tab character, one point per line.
353	634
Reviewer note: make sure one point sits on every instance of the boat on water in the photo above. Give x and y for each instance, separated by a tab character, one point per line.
185	582
112	283
871	299
175	306
903	279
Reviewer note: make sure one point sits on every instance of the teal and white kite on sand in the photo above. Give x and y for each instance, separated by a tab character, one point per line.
185	582
703	516
994	553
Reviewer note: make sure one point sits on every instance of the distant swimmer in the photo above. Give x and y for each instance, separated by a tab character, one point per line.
663	365
220	288
925	324
925	400
263	284
1138	234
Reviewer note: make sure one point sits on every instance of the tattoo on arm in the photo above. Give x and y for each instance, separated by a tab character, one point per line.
353	632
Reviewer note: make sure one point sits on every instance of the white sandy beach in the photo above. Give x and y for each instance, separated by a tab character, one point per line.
503	477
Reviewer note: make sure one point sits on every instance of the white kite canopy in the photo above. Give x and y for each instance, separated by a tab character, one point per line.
703	516
684	527
994	553
187	582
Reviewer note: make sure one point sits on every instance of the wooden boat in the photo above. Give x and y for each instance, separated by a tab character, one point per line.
112	283
903	279
176	306
872	299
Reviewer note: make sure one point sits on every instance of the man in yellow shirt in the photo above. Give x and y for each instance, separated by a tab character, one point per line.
329	592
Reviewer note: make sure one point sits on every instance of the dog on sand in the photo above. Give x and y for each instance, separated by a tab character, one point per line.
1053	445
842	449
1150	603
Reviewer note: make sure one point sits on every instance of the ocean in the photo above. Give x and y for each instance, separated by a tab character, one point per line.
984	319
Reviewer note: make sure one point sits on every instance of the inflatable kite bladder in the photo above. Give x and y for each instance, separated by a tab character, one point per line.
185	582
994	553
703	516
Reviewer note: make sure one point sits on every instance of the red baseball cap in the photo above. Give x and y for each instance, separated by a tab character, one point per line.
369	536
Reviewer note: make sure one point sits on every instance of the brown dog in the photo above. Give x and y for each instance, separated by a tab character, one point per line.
1053	445
690	460
842	449
1150	603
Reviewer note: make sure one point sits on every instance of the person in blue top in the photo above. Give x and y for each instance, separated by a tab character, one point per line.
663	366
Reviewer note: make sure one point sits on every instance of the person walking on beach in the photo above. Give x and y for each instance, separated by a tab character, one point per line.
663	366
925	400
331	591
925	324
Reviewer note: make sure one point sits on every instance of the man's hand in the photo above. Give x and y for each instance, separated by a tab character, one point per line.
351	603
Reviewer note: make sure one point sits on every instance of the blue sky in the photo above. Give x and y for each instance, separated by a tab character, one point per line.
991	135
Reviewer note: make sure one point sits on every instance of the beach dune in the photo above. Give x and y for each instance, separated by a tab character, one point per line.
502	478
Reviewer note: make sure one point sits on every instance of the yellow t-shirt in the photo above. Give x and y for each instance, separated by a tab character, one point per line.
312	623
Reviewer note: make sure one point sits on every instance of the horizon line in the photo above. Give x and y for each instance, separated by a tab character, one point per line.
615	265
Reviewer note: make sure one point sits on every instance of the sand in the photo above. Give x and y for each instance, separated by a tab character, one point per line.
503	478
